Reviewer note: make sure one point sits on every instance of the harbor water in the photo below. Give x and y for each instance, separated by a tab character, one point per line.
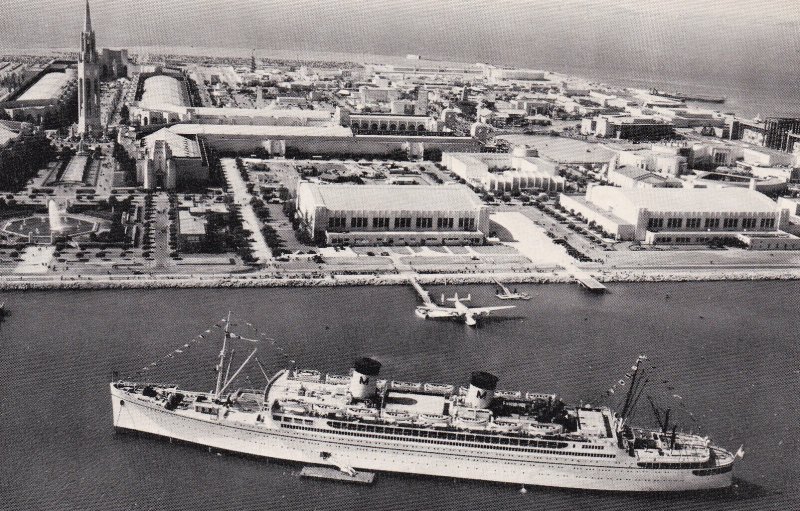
725	354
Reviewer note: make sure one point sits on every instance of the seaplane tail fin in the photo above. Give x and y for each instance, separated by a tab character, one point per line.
740	452
468	298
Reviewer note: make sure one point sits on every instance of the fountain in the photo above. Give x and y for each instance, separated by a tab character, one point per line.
56	224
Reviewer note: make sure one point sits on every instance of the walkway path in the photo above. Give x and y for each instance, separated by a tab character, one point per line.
530	240
533	243
35	259
238	188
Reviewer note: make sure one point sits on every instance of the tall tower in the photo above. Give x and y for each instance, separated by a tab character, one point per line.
88	82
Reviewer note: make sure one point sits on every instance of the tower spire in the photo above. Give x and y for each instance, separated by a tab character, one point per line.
87	22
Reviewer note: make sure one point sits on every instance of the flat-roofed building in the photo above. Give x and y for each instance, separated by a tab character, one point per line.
48	98
192	230
327	140
171	161
503	172
678	215
391	214
629	127
628	176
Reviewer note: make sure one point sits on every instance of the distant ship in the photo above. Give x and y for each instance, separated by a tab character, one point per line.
358	422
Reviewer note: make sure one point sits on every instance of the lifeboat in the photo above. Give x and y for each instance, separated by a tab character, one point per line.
433	419
309	375
293	407
361	412
506	425
406	386
538	396
395	416
337	379
438	388
508	394
326	409
471	422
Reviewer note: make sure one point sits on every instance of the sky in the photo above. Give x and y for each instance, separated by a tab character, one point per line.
744	42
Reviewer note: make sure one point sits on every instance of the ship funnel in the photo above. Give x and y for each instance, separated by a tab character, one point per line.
365	373
481	390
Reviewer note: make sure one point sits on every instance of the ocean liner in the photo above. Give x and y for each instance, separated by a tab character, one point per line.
360	422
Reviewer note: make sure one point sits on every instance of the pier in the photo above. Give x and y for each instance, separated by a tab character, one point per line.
590	283
423	294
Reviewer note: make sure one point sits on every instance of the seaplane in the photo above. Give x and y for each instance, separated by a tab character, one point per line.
458	311
506	294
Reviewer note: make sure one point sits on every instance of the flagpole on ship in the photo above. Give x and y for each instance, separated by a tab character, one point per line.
222	354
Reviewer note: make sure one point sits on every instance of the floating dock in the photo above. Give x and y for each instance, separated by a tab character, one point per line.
333	474
590	283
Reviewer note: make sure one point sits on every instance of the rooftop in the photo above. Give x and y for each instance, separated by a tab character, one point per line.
261	131
180	146
393	198
190	224
48	86
75	169
700	200
163	90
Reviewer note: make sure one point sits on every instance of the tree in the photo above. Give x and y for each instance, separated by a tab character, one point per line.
124	114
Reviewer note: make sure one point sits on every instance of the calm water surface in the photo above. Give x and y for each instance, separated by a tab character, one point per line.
729	350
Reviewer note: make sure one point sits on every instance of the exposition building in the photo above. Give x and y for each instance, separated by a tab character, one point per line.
171	161
684	216
49	97
503	172
392	215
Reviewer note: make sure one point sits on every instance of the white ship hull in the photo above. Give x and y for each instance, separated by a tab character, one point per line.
242	433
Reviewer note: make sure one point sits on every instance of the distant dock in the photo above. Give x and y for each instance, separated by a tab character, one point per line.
333	474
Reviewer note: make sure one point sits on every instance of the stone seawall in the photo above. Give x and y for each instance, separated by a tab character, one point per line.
255	281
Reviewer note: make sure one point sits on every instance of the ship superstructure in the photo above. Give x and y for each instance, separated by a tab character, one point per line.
359	421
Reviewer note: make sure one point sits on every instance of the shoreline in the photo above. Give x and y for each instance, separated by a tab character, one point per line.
256	281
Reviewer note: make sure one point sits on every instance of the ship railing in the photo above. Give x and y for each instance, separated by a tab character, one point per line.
139	385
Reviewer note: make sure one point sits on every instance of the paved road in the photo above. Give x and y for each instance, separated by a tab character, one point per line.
238	188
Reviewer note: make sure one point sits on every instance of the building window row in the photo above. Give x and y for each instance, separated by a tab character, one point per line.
444	223
711	223
466	224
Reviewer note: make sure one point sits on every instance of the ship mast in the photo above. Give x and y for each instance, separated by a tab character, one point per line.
632	396
222	354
